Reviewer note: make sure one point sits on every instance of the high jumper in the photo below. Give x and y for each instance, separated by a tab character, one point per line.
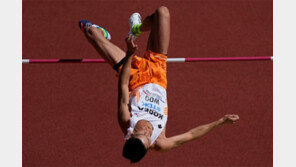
142	84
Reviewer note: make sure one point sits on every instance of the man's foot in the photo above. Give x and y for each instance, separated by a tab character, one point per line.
84	24
106	33
135	23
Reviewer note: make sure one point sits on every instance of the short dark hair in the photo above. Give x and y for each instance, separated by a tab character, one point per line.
134	149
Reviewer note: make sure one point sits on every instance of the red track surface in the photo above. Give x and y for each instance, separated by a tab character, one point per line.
69	110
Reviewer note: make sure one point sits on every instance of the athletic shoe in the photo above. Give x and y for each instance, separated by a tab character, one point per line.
134	20
106	33
84	24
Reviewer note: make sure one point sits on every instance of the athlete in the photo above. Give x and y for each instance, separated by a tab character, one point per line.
142	98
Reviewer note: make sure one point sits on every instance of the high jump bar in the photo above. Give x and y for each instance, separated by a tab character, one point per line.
169	60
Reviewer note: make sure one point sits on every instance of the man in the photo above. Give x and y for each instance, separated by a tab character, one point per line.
142	100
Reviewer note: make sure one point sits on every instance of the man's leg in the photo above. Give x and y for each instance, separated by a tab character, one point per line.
110	52
159	25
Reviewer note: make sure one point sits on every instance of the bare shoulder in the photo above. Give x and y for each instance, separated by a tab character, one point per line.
161	142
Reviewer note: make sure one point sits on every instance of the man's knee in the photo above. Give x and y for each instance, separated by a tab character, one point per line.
163	12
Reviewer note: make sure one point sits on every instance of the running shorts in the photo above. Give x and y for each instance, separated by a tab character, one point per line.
152	68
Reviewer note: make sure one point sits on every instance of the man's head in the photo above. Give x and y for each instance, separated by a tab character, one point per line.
134	149
137	145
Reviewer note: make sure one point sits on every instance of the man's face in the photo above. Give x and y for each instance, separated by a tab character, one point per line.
144	136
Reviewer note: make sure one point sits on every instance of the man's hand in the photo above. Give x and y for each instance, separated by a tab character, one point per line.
131	46
229	119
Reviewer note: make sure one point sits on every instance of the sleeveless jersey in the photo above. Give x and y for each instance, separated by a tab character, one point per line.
149	102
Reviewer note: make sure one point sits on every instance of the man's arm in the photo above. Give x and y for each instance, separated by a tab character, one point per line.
123	82
195	133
